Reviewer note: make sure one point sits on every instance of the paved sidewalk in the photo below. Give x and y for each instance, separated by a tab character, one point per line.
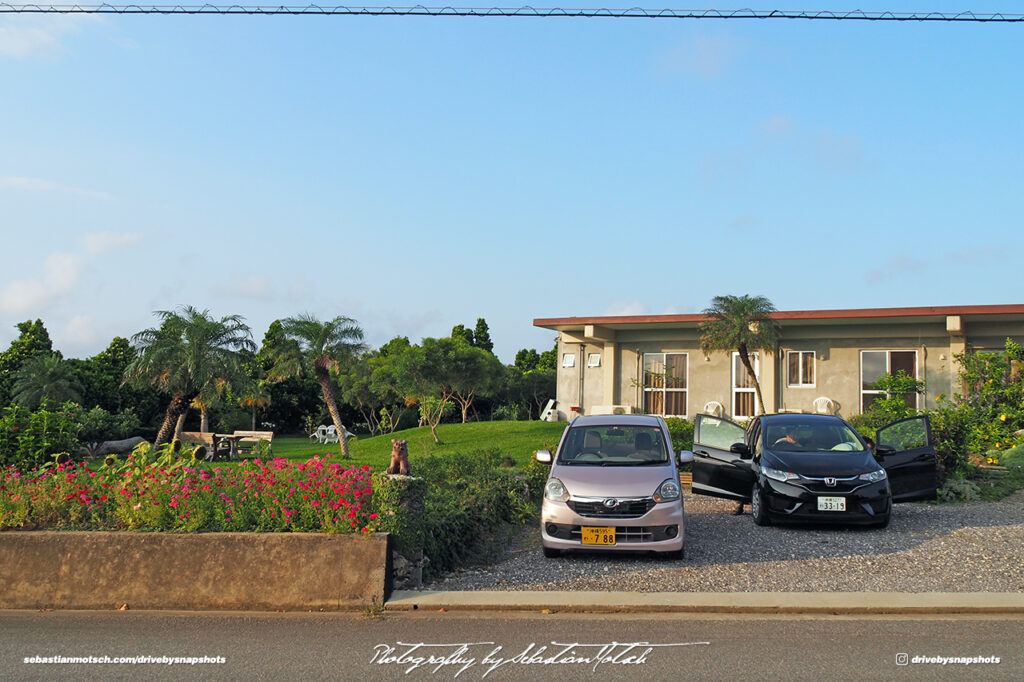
850	603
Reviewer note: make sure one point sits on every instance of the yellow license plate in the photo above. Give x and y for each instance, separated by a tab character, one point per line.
598	536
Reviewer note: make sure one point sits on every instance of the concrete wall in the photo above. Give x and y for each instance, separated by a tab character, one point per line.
204	571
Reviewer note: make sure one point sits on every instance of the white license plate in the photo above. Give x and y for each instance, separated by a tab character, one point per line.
832	504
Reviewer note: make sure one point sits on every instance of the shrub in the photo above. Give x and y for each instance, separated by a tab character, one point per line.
681	432
28	439
467	499
959	490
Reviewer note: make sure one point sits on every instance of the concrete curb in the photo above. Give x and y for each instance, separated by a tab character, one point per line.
838	603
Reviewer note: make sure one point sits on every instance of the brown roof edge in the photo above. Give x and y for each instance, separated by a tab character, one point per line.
1003	309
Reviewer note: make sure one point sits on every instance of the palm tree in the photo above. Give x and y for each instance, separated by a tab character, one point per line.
45	377
309	345
742	324
190	355
256	395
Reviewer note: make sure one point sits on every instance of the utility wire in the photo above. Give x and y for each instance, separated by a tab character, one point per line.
525	11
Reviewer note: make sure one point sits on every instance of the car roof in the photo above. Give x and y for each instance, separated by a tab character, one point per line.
801	416
617	420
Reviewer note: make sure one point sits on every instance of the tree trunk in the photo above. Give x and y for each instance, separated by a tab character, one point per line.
204	421
745	359
180	425
328	392
178	406
254	417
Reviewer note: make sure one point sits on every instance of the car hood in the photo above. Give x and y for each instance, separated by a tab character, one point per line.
612	481
838	464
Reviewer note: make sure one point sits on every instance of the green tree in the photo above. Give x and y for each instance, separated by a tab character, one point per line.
527	359
46	377
33	339
482	336
421	374
742	324
308	345
460	331
471	372
190	355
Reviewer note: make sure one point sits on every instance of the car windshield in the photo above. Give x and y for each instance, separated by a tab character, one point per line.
794	435
627	445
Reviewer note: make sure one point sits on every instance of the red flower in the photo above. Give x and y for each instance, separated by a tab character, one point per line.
15	428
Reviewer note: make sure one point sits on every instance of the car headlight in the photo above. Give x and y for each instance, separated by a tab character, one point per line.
667	491
554	490
777	475
874	476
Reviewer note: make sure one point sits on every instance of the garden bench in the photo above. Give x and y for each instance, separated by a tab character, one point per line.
209	440
248	440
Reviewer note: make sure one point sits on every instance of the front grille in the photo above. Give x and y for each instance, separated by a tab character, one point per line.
843	485
629	534
625	509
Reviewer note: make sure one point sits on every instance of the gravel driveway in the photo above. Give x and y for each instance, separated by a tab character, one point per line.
972	547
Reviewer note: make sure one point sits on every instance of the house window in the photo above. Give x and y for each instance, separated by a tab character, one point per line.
568	360
665	384
744	396
874	364
801	368
594	360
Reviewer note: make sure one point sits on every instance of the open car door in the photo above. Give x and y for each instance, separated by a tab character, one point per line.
905	451
717	470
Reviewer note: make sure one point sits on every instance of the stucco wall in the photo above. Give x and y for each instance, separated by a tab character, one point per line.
216	571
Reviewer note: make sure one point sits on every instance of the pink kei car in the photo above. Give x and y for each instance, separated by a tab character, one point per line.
614	486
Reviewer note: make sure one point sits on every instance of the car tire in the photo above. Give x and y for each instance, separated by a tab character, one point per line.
677	555
757	510
883	523
552	553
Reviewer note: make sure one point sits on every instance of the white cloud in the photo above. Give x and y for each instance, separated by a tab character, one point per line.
61	273
39	185
707	56
255	287
26	35
101	242
621	308
80	332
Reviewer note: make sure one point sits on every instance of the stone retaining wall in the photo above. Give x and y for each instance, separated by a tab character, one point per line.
202	571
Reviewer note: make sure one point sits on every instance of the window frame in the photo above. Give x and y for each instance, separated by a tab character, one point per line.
644	388
752	390
888	370
800	365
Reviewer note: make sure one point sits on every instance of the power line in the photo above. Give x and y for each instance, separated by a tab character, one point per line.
525	11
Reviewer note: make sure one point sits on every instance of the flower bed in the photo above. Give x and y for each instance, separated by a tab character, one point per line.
175	494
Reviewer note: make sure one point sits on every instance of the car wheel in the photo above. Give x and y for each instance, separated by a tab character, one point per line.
884	522
757	510
551	553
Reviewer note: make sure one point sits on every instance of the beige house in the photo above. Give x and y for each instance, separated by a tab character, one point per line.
828	360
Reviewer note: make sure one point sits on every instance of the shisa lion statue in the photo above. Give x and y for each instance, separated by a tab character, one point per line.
399	457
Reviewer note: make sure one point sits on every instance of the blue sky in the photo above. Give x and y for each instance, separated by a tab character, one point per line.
417	173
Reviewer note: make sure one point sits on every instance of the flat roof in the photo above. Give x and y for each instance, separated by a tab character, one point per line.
912	314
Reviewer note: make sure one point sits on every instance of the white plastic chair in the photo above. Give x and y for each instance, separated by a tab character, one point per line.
319	434
330	435
714	408
825	405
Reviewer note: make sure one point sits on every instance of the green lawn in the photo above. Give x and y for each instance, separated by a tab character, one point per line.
517	439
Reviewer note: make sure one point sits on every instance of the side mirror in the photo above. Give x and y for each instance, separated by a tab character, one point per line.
685	456
883	450
543	456
740	449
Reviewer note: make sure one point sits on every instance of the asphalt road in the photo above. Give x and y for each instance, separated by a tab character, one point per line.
380	647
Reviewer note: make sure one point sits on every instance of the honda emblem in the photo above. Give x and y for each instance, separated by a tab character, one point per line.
830	482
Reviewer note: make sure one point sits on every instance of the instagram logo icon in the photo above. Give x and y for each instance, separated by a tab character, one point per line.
902	659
